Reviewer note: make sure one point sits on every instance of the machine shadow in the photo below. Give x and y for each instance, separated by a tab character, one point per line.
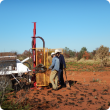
71	82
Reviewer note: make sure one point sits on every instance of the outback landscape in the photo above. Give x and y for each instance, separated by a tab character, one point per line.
34	31
89	79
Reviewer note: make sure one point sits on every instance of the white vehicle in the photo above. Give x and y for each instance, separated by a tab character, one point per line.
12	71
20	68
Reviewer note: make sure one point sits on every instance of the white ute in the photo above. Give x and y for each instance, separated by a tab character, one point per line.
16	72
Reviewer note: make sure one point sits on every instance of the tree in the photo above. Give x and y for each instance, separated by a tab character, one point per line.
94	52
71	53
80	54
26	53
68	52
83	49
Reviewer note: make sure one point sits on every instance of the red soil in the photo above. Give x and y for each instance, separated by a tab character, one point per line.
85	93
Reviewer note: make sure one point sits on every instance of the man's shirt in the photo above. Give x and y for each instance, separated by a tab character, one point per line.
55	64
62	61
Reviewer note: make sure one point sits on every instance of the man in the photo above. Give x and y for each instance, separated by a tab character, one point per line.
54	73
62	63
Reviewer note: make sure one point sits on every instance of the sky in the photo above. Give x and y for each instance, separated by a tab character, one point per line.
61	23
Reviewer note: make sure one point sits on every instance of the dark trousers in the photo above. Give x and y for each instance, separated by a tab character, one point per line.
60	76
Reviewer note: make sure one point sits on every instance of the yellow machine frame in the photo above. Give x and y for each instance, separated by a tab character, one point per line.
45	75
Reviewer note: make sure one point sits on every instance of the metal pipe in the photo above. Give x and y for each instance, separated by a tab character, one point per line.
34	45
25	59
15	78
43	46
41	39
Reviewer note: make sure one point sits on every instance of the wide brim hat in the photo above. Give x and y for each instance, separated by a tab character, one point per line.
57	51
53	53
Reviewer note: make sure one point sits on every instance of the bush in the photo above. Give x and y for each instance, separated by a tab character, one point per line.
80	54
86	55
94	52
68	53
91	56
103	53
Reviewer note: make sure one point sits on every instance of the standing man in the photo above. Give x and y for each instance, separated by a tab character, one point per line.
62	63
54	73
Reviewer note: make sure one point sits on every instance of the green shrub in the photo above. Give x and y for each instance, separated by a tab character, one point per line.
80	54
68	53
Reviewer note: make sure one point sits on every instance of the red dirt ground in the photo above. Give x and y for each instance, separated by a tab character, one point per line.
89	91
